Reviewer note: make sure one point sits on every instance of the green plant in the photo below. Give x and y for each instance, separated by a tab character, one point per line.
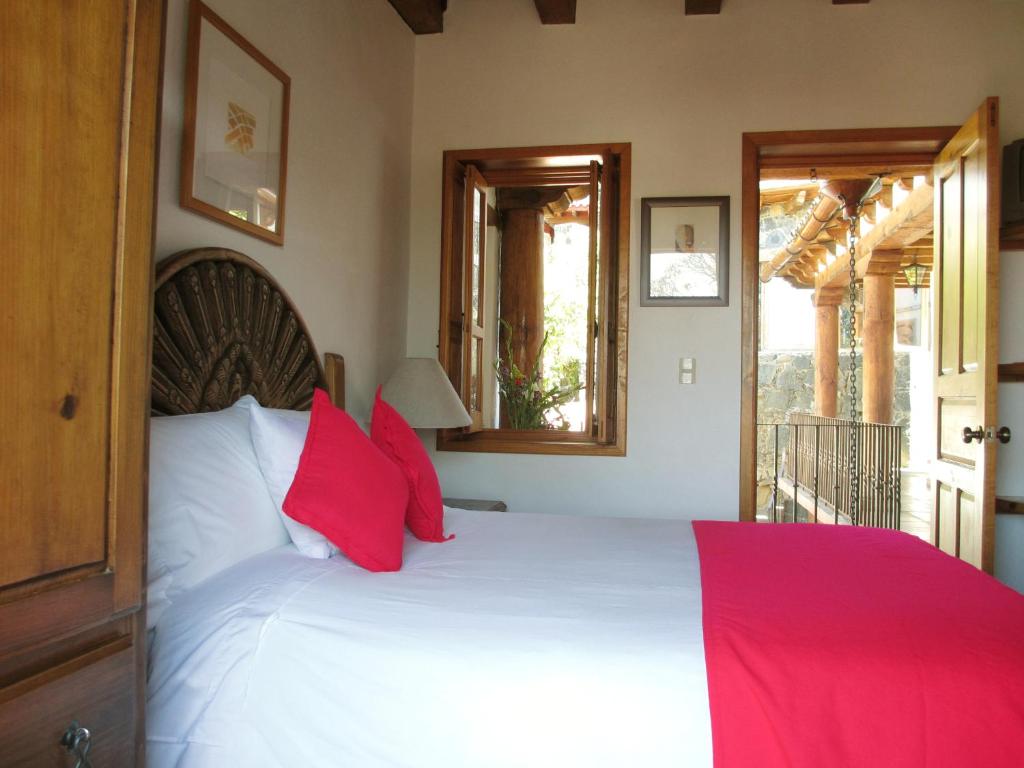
526	396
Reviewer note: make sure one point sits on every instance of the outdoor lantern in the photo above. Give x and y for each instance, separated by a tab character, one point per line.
914	273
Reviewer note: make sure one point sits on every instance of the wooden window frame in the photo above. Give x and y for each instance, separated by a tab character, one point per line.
553	166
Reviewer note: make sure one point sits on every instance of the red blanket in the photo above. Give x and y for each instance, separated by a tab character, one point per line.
840	646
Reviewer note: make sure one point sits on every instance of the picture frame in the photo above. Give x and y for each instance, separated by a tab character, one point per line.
684	251
234	157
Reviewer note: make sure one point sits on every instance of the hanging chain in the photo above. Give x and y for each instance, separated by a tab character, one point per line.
851	380
851	331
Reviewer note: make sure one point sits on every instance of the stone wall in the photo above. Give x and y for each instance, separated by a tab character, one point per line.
785	382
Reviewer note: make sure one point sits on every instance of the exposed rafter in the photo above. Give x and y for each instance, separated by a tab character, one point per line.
703	7
424	17
815	222
556	11
909	223
893	236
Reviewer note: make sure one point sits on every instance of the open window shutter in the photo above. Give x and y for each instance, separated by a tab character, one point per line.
602	225
592	315
450	341
473	312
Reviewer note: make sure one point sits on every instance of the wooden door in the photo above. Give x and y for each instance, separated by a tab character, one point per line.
966	317
80	91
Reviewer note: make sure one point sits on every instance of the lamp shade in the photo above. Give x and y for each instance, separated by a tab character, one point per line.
420	390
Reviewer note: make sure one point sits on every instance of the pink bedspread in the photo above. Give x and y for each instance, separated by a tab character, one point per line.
840	646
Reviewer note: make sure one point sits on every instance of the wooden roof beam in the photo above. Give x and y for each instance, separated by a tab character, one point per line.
807	266
853	166
703	7
850	2
424	17
556	11
907	223
829	297
808	234
787	194
883	263
568	217
800	278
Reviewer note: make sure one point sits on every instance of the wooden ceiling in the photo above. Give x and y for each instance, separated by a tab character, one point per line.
426	17
895	230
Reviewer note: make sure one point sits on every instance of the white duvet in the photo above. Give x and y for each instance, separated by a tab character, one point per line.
527	641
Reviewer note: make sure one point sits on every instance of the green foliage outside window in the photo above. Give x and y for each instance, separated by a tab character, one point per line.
527	395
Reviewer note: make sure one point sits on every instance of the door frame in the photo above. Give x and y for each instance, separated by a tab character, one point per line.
776	152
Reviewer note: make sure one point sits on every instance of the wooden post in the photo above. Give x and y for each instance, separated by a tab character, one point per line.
879	361
826	356
522	282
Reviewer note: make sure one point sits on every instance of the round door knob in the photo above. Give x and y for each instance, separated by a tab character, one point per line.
1003	435
973	434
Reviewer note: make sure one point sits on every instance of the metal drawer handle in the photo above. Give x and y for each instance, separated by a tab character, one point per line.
78	741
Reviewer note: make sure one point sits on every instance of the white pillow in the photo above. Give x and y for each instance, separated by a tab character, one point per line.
279	437
209	507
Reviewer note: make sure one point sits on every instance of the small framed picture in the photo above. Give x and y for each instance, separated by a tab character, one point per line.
234	155
684	251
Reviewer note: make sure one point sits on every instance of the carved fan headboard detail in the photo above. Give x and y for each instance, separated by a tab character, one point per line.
223	328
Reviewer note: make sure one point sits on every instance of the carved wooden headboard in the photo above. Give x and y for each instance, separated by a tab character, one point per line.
223	328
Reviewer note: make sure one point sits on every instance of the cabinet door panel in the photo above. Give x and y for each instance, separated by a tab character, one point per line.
62	141
80	85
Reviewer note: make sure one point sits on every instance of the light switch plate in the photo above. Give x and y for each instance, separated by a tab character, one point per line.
687	370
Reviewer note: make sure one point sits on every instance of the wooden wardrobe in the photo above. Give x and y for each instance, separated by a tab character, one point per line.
79	96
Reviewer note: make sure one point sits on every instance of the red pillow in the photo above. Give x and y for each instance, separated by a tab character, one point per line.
393	435
348	490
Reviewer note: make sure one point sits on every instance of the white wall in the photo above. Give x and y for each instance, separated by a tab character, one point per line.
1010	466
347	207
683	90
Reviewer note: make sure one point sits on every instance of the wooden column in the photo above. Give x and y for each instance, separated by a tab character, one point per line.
522	282
879	361
826	355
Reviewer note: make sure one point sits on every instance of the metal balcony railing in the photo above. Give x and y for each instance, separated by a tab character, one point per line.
811	462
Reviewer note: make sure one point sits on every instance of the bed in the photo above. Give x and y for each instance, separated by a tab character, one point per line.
531	640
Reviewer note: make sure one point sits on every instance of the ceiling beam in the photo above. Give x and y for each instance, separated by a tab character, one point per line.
850	2
424	17
556	11
814	222
907	224
702	7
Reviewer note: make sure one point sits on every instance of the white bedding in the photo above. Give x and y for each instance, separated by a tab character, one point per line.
528	640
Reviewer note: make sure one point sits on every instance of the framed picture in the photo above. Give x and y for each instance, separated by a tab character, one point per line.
684	251
235	149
